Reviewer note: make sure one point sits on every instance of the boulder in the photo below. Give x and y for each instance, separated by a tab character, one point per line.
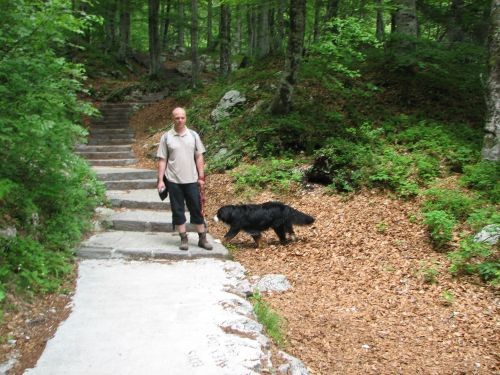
185	67
229	101
272	283
489	234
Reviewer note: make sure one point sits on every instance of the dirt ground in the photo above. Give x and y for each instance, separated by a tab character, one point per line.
369	294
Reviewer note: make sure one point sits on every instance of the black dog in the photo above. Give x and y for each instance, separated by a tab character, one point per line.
255	218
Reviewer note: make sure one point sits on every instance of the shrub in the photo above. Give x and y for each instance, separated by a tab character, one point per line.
440	225
393	170
277	174
484	177
454	202
481	217
476	258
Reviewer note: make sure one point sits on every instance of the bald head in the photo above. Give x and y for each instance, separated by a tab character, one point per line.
179	117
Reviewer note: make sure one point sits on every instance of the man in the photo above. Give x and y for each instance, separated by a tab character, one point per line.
180	159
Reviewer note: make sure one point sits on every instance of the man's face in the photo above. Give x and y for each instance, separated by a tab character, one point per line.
179	118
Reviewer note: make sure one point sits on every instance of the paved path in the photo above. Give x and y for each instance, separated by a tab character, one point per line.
141	305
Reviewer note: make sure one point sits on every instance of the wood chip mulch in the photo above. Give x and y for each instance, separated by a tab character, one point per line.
360	303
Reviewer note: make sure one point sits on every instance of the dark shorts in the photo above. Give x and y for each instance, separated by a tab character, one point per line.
189	193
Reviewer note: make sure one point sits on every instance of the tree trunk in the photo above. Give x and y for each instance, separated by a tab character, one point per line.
317	9
332	10
251	30
194	44
110	25
263	30
210	39
237	43
380	21
282	101
225	40
165	26
455	32
124	30
280	26
491	145
405	24
180	25
154	38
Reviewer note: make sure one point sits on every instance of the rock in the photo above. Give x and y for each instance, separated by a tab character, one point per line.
8	232
230	100
272	283
102	218
185	67
244	327
294	366
489	234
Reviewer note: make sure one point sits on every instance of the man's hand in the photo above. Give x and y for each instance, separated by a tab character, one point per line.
161	186
201	182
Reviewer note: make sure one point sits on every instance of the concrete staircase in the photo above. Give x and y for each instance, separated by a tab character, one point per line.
140	224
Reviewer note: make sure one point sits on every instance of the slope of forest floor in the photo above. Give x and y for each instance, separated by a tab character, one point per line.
370	294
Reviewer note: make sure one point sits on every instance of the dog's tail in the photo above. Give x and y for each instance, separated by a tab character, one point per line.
300	218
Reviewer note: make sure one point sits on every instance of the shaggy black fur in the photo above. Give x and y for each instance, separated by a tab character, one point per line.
256	218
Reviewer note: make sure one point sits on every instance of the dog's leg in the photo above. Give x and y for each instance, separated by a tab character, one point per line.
289	230
280	232
257	238
231	233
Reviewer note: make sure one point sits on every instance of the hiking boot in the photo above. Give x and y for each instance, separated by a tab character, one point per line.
203	242
184	241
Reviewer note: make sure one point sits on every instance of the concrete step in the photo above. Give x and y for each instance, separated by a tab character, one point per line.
131	184
111	162
153	245
109	142
146	199
110	124
125	136
87	148
114	174
97	131
145	221
106	154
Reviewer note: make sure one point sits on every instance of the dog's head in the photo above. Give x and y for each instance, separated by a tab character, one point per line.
224	214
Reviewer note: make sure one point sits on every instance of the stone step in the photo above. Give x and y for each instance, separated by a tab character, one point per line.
106	154
98	131
146	199
115	174
111	162
110	124
109	142
131	184
87	148
112	136
152	245
145	221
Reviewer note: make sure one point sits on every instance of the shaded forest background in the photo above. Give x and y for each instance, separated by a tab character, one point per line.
397	95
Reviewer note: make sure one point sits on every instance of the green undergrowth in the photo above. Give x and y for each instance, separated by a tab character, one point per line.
272	322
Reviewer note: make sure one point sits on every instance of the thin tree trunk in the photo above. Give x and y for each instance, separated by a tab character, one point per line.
263	30
280	25
124	30
455	32
238	29
210	39
380	21
332	9
282	102
405	24
110	25
317	9
180	25
154	39
225	40
194	44
165	26
251	30
491	144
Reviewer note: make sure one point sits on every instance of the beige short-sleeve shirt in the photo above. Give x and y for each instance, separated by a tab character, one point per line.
180	149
